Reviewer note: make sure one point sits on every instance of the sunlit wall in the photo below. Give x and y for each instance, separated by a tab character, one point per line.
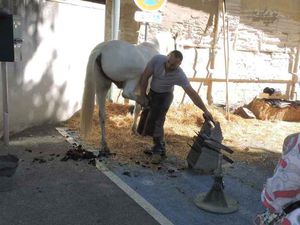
46	83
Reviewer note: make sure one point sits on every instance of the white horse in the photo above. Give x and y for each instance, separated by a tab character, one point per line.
118	62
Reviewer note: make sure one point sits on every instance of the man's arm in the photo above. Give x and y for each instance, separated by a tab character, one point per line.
197	101
143	85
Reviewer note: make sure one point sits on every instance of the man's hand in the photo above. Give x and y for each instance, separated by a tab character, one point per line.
143	101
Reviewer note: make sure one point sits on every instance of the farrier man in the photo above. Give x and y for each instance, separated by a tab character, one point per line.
165	72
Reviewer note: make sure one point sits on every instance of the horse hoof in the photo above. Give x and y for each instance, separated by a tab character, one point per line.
135	133
104	152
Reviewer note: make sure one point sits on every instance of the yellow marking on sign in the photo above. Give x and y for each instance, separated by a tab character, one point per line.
150	5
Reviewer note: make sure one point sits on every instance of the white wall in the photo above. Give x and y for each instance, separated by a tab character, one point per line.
47	84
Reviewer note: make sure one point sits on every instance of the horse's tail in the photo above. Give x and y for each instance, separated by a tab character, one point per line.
88	99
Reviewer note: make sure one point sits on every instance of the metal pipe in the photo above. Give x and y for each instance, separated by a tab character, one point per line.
115	23
5	104
146	30
115	19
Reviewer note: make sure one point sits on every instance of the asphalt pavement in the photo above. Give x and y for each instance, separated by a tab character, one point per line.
51	191
48	191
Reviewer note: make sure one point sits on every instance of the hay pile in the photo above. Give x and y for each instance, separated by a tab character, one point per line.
264	111
180	127
254	141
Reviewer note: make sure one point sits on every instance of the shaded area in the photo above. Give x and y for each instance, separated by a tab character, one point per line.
44	84
209	6
260	158
34	97
56	192
174	194
277	19
97	1
289	9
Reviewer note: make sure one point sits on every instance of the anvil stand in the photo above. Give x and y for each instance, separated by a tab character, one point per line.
215	200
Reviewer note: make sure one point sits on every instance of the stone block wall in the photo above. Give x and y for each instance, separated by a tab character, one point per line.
263	41
128	30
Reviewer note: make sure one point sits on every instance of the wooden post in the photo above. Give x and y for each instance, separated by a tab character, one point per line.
288	91
209	22
209	90
226	55
214	53
216	36
297	61
194	75
295	73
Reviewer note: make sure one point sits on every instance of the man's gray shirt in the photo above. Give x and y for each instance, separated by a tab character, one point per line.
161	80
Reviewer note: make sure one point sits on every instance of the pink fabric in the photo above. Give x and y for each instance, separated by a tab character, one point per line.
285	221
283	188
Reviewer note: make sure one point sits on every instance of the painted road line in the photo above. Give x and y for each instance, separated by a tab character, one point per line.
160	218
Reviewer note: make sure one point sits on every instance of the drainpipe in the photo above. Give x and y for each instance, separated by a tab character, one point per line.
115	18
115	22
5	103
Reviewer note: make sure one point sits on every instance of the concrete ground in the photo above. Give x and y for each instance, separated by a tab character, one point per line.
52	192
48	191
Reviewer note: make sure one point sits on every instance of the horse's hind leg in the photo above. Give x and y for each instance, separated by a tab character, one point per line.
129	89
102	87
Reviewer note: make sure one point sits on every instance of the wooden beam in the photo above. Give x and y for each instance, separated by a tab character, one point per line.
206	80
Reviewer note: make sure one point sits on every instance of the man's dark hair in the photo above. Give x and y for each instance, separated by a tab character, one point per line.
177	54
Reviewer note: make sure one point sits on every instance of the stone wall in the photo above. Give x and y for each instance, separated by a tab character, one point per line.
263	39
128	30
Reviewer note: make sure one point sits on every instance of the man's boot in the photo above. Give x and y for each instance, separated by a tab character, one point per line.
158	150
158	146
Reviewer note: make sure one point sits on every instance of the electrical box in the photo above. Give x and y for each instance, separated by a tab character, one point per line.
6	37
